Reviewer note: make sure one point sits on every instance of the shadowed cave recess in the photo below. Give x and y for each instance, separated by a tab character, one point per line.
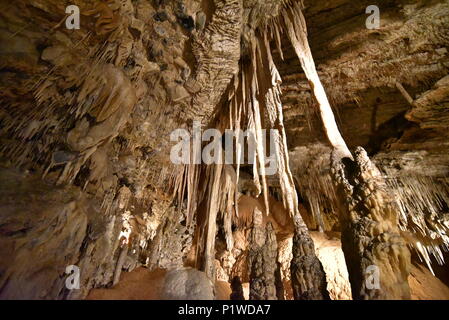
353	115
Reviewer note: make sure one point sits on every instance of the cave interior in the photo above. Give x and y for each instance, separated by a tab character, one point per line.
224	149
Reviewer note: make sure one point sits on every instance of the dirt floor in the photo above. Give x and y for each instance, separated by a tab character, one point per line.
141	284
424	286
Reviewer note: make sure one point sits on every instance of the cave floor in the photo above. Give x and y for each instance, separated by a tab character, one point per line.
142	284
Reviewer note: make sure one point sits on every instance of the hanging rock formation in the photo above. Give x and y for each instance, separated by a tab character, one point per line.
91	197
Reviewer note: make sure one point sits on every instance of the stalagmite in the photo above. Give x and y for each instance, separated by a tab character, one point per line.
308	273
261	83
280	292
368	215
92	181
377	256
237	289
262	260
120	262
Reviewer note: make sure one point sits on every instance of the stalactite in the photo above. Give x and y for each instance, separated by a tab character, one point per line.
311	169
312	275
273	106
421	202
297	33
254	93
217	56
211	222
238	147
258	125
259	89
421	197
228	188
395	287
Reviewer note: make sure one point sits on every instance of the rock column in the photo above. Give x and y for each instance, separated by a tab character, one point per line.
262	260
377	257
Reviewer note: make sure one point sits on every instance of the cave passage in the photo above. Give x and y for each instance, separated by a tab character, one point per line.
224	150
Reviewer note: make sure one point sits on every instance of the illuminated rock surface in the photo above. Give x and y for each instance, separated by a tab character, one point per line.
87	182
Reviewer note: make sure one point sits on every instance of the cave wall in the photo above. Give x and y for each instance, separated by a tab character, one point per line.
86	117
91	111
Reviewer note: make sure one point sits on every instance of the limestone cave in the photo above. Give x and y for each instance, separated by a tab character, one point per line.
224	150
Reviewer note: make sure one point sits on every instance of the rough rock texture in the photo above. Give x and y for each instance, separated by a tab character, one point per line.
86	118
237	289
187	284
328	250
171	243
62	220
262	260
142	284
360	70
90	117
425	286
307	275
45	220
217	53
370	230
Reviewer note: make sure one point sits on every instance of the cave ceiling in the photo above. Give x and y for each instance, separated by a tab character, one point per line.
86	117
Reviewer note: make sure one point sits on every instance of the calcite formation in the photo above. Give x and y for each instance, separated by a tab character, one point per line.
89	194
262	260
371	239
